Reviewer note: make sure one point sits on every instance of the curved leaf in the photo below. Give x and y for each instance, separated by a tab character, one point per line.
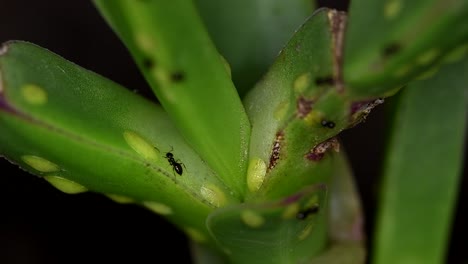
389	43
249	33
422	169
169	43
83	132
289	230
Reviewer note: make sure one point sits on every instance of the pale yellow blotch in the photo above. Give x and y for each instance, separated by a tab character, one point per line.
256	174
392	8
427	57
281	110
120	198
302	82
428	74
402	71
290	211
40	164
313	117
195	235
34	94
456	54
145	42
227	67
313	201
213	195
162	77
305	232
65	185
252	219
141	146
158	208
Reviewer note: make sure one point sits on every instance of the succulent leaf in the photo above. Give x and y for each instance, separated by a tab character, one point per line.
288	230
249	33
403	39
298	108
423	168
82	132
189	78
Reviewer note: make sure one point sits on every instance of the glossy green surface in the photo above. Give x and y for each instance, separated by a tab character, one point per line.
422	169
175	54
389	43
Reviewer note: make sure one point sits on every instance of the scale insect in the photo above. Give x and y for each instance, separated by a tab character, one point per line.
176	164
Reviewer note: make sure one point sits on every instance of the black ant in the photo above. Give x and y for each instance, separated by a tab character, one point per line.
176	164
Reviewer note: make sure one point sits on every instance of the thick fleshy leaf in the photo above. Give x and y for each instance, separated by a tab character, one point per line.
389	43
422	169
345	220
289	230
297	109
175	54
249	33
82	132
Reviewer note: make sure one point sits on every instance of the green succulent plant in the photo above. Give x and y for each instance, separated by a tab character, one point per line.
242	152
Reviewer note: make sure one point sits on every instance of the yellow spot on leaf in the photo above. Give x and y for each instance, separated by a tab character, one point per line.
456	54
158	208
313	118
120	198
141	146
213	195
255	174
65	185
404	70
281	110
302	82
427	57
429	73
392	8
252	219
195	235
290	211
40	164
34	94
313	201
305	232
145	43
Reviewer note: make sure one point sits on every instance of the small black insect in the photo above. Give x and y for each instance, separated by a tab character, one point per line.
303	214
176	164
329	124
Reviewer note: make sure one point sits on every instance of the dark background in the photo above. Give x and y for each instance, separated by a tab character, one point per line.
39	224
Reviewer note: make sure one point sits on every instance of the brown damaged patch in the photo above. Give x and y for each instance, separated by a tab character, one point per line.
360	110
304	106
338	24
275	152
319	151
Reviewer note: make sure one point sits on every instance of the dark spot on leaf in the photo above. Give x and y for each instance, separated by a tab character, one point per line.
148	63
391	49
329	124
301	215
327	80
177	76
